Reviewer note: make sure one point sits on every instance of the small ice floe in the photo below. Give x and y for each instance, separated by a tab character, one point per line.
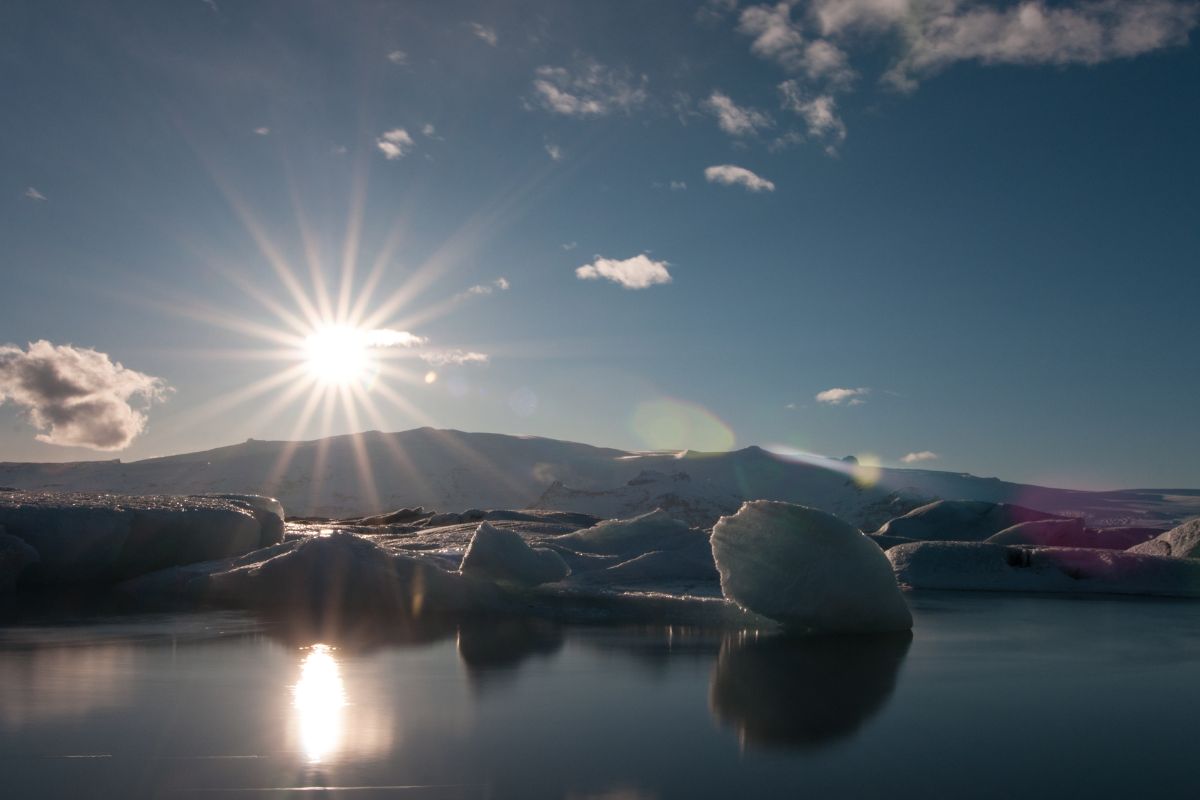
960	520
1179	542
807	570
997	567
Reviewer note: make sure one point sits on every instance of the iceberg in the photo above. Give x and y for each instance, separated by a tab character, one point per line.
997	567
960	520
656	530
1070	533
502	555
104	538
1179	542
807	570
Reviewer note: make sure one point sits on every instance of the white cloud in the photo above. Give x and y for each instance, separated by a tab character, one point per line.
77	397
459	357
677	186
638	272
484	33
919	456
34	194
730	175
554	151
819	113
734	119
837	397
398	57
386	337
395	143
1034	32
263	131
776	36
498	285
591	90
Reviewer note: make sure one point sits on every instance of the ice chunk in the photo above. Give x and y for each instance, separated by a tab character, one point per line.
267	510
979	565
807	569
1180	542
15	555
663	569
341	576
105	538
502	555
1070	533
656	530
960	520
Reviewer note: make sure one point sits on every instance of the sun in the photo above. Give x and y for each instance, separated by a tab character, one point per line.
339	355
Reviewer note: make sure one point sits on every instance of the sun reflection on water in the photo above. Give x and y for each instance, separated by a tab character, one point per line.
319	698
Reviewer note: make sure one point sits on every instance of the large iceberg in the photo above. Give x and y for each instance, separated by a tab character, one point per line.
1180	542
103	538
979	565
656	530
960	520
807	569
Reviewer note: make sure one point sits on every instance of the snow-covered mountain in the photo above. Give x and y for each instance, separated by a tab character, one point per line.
446	470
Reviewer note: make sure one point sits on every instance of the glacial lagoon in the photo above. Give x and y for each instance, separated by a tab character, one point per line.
992	696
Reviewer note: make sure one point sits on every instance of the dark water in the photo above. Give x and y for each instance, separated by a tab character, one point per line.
994	696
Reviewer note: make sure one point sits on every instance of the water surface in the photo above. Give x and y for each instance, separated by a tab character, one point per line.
993	696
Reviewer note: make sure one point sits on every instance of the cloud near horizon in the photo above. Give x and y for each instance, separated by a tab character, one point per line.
919	456
77	396
838	397
731	175
638	272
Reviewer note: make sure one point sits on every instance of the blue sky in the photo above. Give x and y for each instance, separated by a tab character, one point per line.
977	219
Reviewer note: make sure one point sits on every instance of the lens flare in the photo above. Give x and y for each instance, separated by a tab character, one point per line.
670	424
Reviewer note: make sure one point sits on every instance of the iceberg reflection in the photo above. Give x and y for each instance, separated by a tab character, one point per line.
804	692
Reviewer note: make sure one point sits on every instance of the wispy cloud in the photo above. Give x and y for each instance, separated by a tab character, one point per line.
484	33
730	175
263	131
838	397
395	143
638	272
34	194
589	90
919	456
398	57
458	357
498	285
818	112
814	41
77	396
677	186
554	151
428	131
387	337
569	246
734	119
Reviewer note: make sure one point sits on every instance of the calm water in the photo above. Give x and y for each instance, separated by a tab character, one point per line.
994	696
